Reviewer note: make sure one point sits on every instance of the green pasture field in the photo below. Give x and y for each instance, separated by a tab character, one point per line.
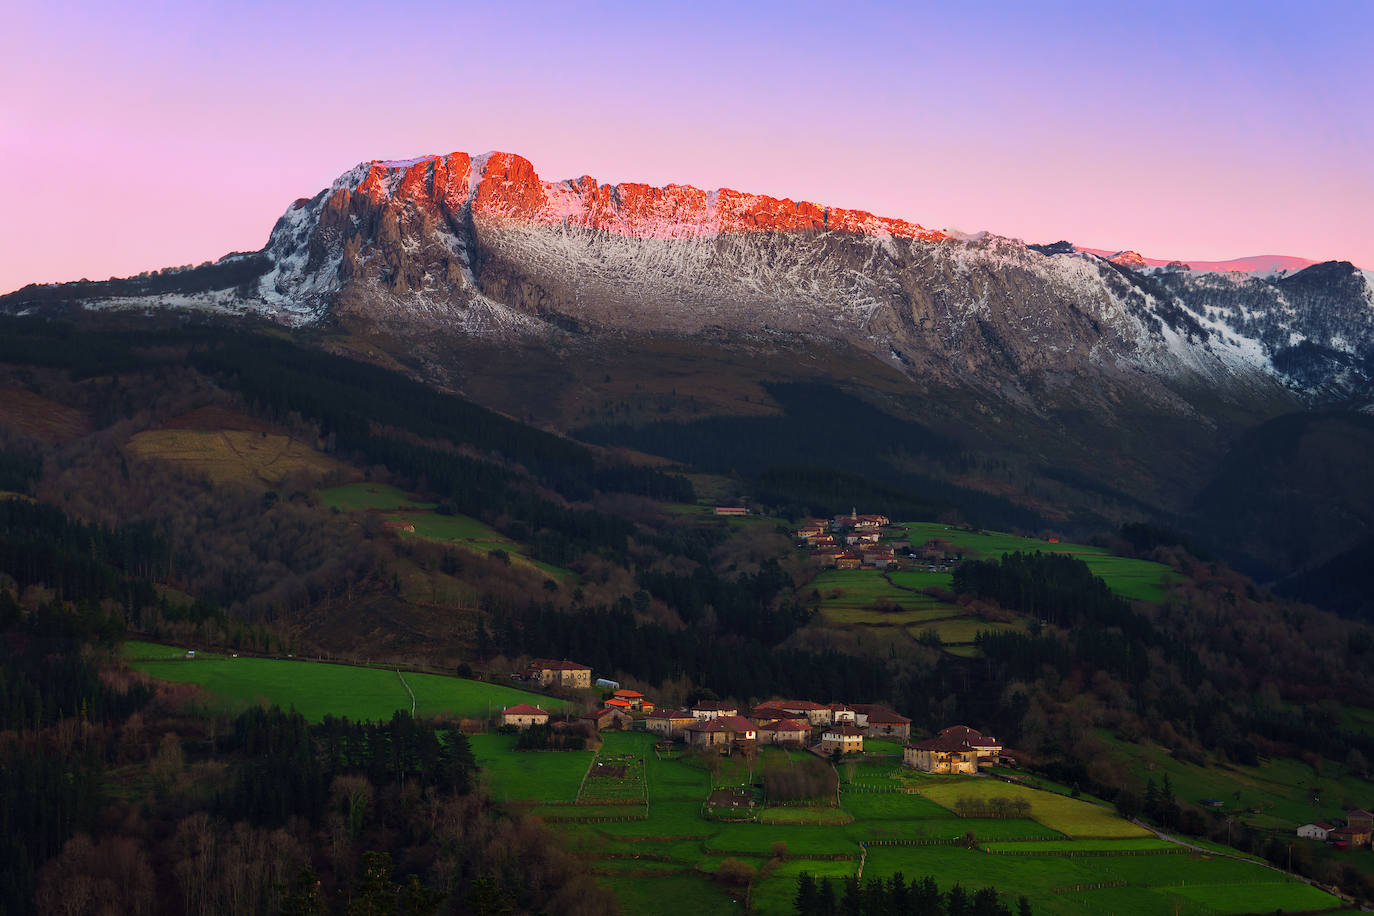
458	530
1070	816
965	629
1141	844
675	836
884	746
316	689
1279	787
369	496
920	578
1222	886
887	806
672	895
1128	577
534	775
581	812
805	814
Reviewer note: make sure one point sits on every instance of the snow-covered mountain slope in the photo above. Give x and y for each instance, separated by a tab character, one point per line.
482	246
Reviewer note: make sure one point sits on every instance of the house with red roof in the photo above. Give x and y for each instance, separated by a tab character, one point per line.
880	721
785	731
605	718
987	746
523	715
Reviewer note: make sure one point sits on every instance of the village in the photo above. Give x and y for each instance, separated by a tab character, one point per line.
830	730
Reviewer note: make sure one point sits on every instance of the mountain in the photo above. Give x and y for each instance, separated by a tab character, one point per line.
1083	389
482	246
1260	263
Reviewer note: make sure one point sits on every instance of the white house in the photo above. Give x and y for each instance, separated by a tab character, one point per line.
1315	831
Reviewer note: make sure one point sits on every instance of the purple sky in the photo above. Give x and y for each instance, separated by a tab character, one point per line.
137	137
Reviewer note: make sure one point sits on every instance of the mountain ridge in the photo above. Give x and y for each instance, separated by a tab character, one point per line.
481	246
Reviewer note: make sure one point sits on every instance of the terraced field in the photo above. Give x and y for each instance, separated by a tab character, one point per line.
1065	845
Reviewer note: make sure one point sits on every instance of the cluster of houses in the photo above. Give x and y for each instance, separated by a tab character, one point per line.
1355	832
827	729
848	541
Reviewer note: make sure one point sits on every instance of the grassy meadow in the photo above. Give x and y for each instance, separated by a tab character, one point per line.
1126	576
316	689
395	505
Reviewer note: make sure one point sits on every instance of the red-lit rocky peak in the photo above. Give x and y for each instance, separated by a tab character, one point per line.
508	188
1132	259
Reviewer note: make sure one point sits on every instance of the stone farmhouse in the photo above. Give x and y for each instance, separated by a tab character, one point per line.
721	731
843	738
879	721
955	750
550	673
608	717
669	723
714	709
785	731
988	747
523	715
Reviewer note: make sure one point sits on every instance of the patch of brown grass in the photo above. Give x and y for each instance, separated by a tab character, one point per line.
230	455
40	418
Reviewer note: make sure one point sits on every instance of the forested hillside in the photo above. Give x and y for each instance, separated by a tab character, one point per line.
254	493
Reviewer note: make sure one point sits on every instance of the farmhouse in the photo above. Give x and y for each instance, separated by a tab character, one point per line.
606	717
523	715
712	709
669	722
815	713
1348	836
1317	830
848	560
881	722
944	754
784	731
563	673
768	712
987	747
708	733
843	738
634	698
618	703
840	714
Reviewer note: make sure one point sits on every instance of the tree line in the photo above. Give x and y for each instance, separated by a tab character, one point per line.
896	897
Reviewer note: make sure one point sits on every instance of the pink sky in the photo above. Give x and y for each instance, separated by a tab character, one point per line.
155	135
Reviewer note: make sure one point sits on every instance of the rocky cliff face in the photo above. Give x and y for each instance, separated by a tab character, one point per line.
482	246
